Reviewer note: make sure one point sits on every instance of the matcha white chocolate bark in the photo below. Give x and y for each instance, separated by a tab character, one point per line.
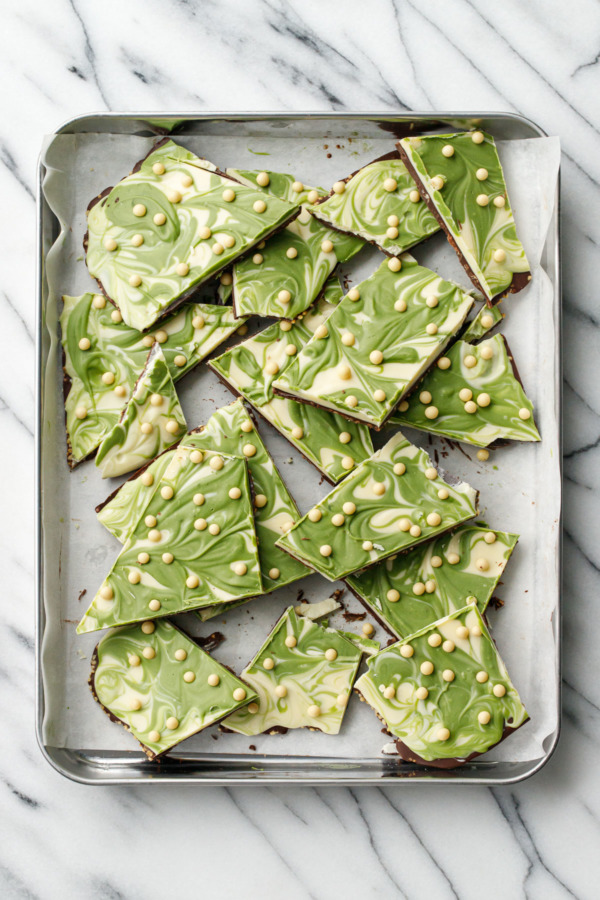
281	184
151	421
475	395
378	342
170	225
326	439
103	359
444	692
411	590
379	203
389	503
302	675
461	179
159	684
231	431
486	319
194	545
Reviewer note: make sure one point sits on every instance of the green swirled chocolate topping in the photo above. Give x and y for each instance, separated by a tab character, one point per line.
389	503
103	359
462	176
410	591
285	276
378	342
486	319
302	674
194	545
477	397
161	685
151	421
169	226
378	203
326	439
281	184
444	692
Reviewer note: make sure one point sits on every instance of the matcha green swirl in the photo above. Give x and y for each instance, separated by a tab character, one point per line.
317	688
365	206
486	319
458	715
281	184
392	502
478	398
412	590
151	421
147	694
168	227
207	566
377	346
485	234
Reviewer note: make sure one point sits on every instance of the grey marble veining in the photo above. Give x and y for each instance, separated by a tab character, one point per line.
538	839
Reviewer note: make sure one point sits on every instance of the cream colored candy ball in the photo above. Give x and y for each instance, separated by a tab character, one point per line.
426	667
393	595
444	363
448	150
406	650
259	206
431	412
470	407
239	694
349	508
263	179
399	468
394	264
414	196
353	294
325	550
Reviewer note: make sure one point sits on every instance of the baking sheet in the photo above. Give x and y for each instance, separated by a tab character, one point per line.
520	485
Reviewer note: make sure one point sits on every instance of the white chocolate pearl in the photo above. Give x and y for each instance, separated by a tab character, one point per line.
235	493
290	641
345	437
321	331
259	206
470	407
483	455
108	378
182	269
391	233
156	400
174	196
187	180
154	737
487	321
482	199
437	183
348	339
291	253
436	561
422	693
367	546
390	184
240	568
314	712
400	305
378	488
337	520
200	524
426	667
351	401
196	456
379	396
172	426
239	694
419	588
399	468
443	493
431	412
312	196
106	592
482	677
249	450
331	654
280	690
216	463
271	368
137	240
393	595
213	679
389	692
482	564
325	550
228	195
110	244
404	524
315	515
524	414
214	529
146	428
274	573
483	400
136	703
189	677
291	350
159	218
99	302
120	390
406	650
430	586
499	690
434	519
116	316
448	675
499	255
269	663
284	296
444	362
483	717
285	325
481	174
489	537
477	137
376	357
139	210
297	187
158	168
353	294
247	426
154	605
434	640
367	629
257	259
147	478
425	397
462	632
486	352
470	361
339	187
394	221
465	394
326	246
443	734
172	723
134	577
394	264
161	336
192	581
431	473
135	280
432	302
204	233
134	660
166	492
415	531
448	150
448	646
414	196
180	360
228	240
453	558
252	708
217	248
499	201
181	654
431	328
263	179
148	652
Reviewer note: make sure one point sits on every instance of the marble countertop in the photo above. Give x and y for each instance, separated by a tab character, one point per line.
59	839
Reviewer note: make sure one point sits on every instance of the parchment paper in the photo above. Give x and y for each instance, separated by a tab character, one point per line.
520	484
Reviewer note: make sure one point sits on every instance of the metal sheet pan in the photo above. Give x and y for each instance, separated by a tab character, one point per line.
102	766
